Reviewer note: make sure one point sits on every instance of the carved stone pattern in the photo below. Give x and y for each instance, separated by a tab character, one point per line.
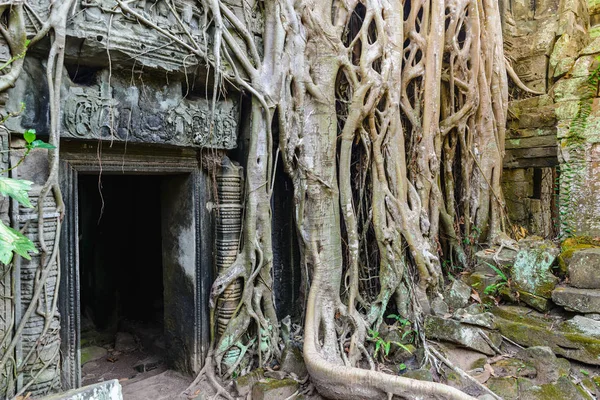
88	115
44	348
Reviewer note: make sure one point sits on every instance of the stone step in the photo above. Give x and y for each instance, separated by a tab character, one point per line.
580	300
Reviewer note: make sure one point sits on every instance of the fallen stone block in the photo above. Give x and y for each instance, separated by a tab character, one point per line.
579	300
292	361
563	388
92	353
469	336
576	339
109	390
531	271
548	368
243	385
584	269
458	295
274	389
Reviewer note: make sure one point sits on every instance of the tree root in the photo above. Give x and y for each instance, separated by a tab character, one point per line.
462	373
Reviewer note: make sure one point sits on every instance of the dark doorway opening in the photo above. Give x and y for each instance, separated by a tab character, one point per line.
121	275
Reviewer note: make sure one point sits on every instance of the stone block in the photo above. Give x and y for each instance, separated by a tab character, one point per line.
109	390
571	89
576	339
439	307
548	368
243	385
274	389
584	269
534	118
540	303
92	353
465	335
563	388
583	66
531	269
292	361
532	69
458	295
578	300
484	319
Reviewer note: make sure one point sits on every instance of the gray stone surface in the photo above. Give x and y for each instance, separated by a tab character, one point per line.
458	295
465	335
584	269
92	353
274	389
484	319
548	367
580	300
576	339
292	361
110	390
531	271
439	306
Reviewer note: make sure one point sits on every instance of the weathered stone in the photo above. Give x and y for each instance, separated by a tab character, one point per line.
584	269
439	306
576	339
579	300
540	303
505	387
109	390
92	353
571	89
514	367
563	388
458	295
274	389
243	385
466	335
533	70
419	374
484	258
484	319
548	368
531	269
292	361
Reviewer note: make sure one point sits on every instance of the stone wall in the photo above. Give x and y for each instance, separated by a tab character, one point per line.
553	45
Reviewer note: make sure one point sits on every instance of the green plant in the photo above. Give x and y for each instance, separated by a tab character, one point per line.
495	287
382	344
11	240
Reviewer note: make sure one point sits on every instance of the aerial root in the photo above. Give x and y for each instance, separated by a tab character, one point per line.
208	372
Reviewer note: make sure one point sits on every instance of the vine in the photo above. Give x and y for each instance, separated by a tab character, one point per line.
572	169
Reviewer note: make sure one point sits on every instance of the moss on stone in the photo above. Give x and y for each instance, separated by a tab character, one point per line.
571	245
505	387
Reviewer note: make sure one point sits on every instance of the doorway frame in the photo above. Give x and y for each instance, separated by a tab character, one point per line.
77	158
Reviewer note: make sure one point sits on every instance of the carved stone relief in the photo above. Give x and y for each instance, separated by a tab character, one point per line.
147	112
142	109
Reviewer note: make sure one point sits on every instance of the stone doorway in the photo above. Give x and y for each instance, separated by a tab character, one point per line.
120	275
136	258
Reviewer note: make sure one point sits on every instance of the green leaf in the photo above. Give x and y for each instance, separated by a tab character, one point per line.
39	144
29	135
386	347
13	240
377	345
17	189
583	371
402	366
